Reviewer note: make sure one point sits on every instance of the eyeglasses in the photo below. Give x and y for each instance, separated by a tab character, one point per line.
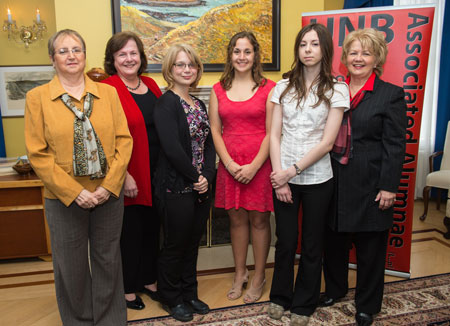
65	51
182	65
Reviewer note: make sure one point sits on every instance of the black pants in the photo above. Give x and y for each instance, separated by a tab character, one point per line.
302	298
370	259
139	245
184	221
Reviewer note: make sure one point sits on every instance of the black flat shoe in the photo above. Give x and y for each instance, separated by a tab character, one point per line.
363	319
136	304
181	312
326	301
198	306
152	294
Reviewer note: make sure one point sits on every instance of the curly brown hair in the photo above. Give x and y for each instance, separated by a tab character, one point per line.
228	74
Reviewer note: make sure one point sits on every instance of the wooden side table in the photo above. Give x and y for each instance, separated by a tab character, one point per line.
23	229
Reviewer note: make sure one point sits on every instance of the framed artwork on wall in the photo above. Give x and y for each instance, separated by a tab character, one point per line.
207	25
15	82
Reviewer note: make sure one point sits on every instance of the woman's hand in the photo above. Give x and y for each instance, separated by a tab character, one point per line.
86	199
233	168
386	199
280	178
101	194
129	186
202	185
245	174
284	194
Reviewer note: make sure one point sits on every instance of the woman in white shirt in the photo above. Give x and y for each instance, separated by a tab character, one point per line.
309	105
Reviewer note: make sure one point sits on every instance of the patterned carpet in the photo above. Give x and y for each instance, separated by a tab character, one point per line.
420	301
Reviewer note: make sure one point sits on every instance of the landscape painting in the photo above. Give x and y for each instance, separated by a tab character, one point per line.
207	25
15	82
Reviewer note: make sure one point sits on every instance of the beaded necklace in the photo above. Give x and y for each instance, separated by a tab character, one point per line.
135	88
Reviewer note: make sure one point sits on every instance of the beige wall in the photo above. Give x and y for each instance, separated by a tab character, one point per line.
333	4
24	12
94	22
12	53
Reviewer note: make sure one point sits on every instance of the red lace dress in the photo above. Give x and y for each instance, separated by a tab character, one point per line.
244	128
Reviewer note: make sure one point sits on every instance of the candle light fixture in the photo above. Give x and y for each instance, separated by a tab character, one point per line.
25	34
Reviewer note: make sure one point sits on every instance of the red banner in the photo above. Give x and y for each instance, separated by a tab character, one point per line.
408	34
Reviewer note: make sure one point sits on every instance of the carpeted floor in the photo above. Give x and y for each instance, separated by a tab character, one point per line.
420	301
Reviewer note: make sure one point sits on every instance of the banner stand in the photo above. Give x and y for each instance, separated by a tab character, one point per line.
407	31
387	272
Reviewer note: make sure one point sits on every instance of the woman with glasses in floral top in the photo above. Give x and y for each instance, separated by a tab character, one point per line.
184	171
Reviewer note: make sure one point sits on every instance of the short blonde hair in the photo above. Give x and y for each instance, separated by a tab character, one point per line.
370	39
170	59
61	33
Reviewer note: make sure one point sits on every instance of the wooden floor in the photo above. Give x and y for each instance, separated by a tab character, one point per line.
27	295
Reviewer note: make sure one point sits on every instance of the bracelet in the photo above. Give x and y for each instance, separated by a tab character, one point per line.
229	162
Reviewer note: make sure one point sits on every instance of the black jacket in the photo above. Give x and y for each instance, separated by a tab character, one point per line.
174	169
379	140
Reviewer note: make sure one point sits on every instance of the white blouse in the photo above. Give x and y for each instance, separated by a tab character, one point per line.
303	127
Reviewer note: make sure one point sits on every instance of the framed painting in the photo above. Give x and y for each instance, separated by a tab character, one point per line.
207	25
15	82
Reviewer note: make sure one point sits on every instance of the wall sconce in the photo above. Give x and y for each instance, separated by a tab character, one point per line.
25	34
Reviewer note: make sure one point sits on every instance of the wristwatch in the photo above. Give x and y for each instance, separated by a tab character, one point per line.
297	169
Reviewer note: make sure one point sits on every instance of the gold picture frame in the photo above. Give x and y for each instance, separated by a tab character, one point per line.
207	25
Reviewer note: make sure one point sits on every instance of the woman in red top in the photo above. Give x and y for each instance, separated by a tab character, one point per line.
125	61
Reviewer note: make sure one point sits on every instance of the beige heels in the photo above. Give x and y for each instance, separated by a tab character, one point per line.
236	289
254	294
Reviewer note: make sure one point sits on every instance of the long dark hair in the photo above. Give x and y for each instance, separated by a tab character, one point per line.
296	75
228	73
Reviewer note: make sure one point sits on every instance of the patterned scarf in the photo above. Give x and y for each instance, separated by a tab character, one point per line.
343	146
88	155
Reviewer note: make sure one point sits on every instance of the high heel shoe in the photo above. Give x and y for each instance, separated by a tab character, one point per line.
254	294
236	289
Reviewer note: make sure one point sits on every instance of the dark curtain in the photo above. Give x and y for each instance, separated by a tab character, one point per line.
349	4
2	139
443	110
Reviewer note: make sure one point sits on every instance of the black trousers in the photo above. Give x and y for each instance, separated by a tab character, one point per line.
370	259
302	298
139	245
184	222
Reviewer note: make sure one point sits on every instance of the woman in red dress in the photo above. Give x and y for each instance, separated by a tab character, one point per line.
240	113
